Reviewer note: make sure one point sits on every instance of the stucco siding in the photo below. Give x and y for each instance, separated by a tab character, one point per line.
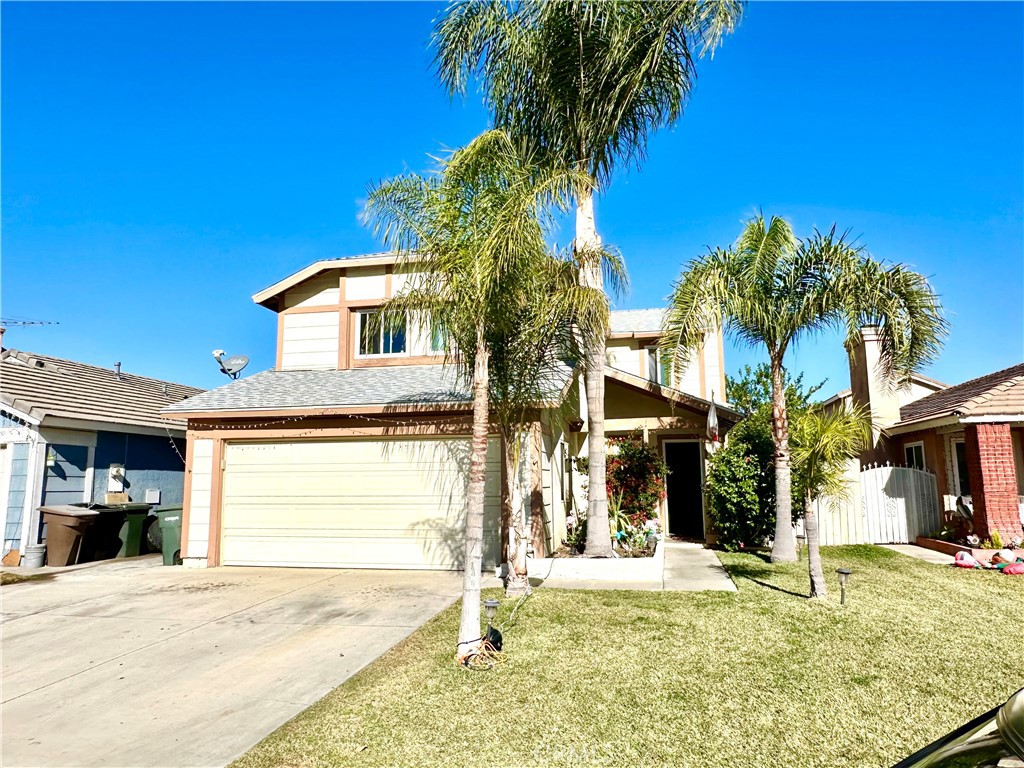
148	461
310	341
365	284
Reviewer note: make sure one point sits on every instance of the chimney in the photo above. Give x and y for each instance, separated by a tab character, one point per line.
872	391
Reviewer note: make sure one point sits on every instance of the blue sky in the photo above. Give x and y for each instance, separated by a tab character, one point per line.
162	162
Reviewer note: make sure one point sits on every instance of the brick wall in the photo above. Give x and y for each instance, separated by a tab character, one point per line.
993	480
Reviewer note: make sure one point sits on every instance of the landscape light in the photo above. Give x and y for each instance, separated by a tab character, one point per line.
844	575
491	607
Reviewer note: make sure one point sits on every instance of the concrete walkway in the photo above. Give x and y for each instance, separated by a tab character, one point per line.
692	568
128	663
689	567
921	553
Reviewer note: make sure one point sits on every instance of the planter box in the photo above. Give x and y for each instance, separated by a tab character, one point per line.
624	569
949	548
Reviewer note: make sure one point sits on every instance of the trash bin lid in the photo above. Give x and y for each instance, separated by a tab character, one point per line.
68	510
131	507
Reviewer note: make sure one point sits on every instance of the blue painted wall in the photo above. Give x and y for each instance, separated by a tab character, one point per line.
16	495
6	420
149	462
64	482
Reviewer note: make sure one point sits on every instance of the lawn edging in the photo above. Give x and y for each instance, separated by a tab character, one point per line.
624	569
949	548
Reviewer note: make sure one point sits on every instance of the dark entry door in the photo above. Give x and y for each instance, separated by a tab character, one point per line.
685	499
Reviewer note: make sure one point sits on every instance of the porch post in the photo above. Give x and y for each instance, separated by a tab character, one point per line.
990	466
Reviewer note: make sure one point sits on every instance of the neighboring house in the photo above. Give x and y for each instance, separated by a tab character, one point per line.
970	436
353	450
71	433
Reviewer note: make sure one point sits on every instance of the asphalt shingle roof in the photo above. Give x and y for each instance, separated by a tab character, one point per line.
636	320
1001	392
386	385
42	386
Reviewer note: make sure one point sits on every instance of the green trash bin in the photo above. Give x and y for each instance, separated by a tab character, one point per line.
170	533
132	528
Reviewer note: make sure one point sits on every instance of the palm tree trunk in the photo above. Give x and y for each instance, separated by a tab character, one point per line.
818	588
784	545
518	581
587	244
469	627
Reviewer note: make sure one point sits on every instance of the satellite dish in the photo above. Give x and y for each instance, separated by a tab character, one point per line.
231	366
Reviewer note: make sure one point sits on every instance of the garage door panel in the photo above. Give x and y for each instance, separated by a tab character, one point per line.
391	503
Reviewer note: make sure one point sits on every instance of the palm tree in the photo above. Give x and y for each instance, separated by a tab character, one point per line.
549	322
471	235
772	289
583	85
824	442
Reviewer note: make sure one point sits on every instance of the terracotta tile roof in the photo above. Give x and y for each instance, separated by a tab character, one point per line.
41	386
1001	392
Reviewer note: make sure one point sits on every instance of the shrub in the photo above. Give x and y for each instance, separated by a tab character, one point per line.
740	515
636	478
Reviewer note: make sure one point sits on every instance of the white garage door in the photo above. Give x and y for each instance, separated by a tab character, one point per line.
389	503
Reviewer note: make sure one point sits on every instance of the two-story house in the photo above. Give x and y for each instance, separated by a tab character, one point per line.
353	450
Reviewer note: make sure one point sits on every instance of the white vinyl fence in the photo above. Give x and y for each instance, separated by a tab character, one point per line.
884	505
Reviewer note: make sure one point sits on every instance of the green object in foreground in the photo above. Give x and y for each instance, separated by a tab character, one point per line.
132	531
170	531
758	677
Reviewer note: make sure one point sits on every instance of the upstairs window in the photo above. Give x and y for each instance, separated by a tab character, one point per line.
388	340
438	339
656	370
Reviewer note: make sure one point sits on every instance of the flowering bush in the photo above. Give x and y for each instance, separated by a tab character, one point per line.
636	478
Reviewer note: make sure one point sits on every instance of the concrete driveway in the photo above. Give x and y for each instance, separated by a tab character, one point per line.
129	663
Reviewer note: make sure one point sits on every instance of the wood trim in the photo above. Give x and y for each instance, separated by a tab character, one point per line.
344	320
702	372
216	504
327	433
310	310
721	363
186	501
388	272
635	335
383	362
280	341
643	361
363	303
383	410
538	534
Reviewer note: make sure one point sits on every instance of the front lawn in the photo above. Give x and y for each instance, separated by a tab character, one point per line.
762	677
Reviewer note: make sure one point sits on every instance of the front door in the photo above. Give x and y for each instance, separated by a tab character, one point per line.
685	497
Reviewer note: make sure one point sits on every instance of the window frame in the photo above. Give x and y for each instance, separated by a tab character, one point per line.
361	314
957	479
919	444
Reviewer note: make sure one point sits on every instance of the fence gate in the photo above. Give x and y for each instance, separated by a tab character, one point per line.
898	504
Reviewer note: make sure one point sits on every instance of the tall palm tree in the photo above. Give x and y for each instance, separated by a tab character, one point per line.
471	235
550	321
772	288
824	442
583	85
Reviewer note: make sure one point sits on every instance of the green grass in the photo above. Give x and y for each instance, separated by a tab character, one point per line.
756	678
